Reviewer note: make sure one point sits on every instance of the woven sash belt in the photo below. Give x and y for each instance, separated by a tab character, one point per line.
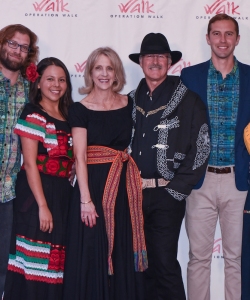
102	155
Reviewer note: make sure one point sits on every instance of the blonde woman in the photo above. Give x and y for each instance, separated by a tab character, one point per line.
106	249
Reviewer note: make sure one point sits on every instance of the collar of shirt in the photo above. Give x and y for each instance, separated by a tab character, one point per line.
158	90
160	95
233	72
19	79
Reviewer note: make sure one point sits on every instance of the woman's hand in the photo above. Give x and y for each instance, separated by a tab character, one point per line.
45	218
88	213
72	174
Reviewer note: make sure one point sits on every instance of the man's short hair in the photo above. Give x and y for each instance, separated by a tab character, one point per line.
9	31
222	17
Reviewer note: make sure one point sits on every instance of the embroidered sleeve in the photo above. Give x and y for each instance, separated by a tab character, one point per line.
191	165
203	147
178	196
35	127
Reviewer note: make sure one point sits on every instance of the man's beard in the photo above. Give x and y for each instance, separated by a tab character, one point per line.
9	64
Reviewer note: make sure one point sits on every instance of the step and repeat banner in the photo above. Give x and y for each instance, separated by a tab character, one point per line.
71	29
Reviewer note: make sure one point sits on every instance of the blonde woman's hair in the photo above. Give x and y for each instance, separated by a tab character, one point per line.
116	64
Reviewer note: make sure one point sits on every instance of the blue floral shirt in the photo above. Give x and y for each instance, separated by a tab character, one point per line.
223	100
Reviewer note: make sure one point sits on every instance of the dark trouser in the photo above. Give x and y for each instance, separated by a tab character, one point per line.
6	218
163	216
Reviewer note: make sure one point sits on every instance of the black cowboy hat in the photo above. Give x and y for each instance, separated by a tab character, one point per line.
155	43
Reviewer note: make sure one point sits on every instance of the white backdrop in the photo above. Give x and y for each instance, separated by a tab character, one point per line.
71	29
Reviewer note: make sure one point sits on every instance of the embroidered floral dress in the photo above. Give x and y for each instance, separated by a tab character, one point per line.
36	261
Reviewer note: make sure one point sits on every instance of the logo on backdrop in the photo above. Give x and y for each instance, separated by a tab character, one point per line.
215	7
217	249
46	5
136	9
79	70
51	8
133	6
176	69
222	7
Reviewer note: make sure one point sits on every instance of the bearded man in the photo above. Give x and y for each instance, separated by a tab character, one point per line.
18	50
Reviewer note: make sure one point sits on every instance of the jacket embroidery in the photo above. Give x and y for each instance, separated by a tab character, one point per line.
175	99
176	195
203	147
179	156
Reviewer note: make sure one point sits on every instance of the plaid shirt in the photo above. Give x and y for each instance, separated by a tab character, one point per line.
12	100
223	100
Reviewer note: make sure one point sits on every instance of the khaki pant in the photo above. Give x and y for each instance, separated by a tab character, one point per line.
217	198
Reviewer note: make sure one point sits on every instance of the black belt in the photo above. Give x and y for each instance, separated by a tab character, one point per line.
224	170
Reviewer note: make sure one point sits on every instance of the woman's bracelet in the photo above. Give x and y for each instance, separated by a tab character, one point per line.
86	202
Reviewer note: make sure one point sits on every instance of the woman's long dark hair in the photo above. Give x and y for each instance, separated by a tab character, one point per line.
35	95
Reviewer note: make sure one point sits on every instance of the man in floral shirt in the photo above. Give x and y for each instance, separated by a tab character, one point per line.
18	53
222	82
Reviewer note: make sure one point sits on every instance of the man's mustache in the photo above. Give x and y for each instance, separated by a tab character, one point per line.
16	55
155	66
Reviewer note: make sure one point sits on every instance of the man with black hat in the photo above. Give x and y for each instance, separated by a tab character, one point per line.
170	145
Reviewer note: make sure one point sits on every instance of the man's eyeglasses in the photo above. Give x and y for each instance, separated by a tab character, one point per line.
158	56
14	45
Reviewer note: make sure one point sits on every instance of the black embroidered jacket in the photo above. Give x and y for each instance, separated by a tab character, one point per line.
170	139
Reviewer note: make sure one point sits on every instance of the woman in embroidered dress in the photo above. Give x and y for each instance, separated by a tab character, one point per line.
106	251
36	261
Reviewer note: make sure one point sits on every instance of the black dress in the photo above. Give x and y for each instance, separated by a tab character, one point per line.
36	261
86	265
